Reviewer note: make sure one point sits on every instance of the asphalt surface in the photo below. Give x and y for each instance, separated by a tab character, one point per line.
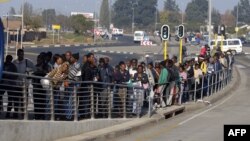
205	124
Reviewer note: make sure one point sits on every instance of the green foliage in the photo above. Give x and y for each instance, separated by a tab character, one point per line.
170	5
80	24
216	17
243	11
197	11
104	14
36	22
144	13
122	16
27	13
49	17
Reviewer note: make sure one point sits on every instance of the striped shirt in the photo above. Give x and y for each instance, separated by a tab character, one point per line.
74	72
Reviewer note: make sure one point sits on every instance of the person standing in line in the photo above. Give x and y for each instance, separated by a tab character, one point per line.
24	66
183	94
8	84
87	74
74	77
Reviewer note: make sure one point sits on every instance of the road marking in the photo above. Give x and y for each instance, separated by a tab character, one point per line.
104	51
197	115
247	53
95	50
111	51
33	46
155	53
124	52
67	45
46	46
57	45
118	52
131	53
77	45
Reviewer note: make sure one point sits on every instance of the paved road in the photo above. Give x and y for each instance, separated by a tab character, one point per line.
206	124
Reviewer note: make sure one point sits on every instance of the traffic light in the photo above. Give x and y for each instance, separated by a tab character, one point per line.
165	30
223	30
181	31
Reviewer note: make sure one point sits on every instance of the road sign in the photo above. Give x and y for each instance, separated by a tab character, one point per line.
56	27
165	31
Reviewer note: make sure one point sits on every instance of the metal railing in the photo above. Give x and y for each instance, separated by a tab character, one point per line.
192	90
25	97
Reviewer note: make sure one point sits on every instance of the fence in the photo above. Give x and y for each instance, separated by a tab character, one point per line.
25	97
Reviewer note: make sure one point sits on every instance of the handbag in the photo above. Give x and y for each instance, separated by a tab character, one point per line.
45	82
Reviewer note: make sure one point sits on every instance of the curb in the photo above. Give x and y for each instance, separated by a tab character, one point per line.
124	128
69	45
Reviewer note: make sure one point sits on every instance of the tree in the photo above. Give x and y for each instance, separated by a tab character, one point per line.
49	17
27	13
104	14
243	11
197	11
64	21
122	16
216	17
12	11
80	24
170	5
227	18
144	12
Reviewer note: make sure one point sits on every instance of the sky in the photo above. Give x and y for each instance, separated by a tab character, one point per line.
66	6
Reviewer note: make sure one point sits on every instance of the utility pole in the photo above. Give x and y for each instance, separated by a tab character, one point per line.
237	20
22	25
210	20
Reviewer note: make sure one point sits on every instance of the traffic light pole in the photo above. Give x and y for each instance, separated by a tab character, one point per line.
180	58
165	49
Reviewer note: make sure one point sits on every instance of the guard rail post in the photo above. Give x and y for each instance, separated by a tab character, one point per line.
109	103
25	100
195	87
75	104
202	86
124	91
92	101
52	103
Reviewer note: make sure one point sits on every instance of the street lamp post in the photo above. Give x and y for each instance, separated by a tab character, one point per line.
237	19
210	20
22	25
133	18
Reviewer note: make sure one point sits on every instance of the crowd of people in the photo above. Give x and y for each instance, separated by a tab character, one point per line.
168	82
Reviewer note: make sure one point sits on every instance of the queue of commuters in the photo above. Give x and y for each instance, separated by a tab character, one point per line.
168	81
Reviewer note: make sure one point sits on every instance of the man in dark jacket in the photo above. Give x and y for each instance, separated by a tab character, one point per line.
7	85
122	77
87	74
105	73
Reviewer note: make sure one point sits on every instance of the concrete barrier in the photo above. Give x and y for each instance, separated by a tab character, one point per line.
49	130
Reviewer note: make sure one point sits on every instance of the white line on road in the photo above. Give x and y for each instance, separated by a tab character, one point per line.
67	45
118	52
124	52
46	46
131	53
95	50
33	46
197	115
104	51
57	45
111	51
